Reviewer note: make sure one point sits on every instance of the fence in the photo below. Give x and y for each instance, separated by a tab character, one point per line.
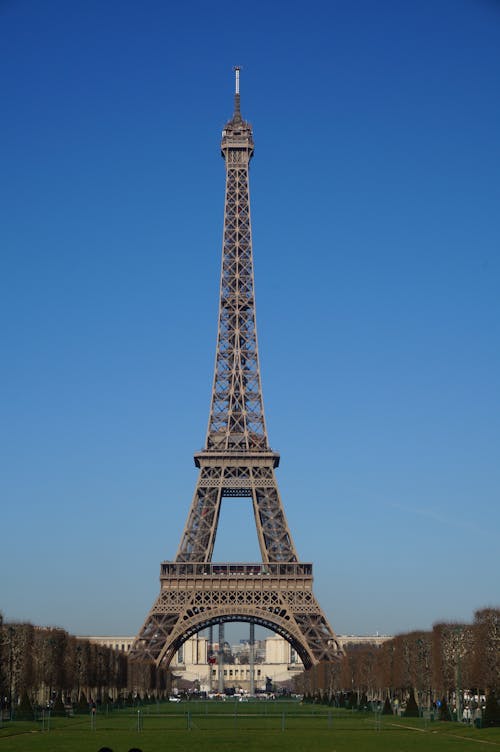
228	716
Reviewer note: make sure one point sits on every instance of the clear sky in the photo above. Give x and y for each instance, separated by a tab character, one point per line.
375	193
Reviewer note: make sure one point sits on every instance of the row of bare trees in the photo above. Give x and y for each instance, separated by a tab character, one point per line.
435	664
45	664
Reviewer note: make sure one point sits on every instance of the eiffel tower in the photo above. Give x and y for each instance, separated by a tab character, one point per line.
237	461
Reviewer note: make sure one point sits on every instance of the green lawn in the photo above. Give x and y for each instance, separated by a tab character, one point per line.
243	727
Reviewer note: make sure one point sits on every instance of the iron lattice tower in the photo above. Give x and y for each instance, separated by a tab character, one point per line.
236	461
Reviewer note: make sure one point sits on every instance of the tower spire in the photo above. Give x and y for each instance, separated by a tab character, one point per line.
237	110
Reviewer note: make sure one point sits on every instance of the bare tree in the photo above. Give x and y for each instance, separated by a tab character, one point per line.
486	663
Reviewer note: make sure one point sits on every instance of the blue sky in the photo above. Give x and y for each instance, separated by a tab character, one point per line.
375	193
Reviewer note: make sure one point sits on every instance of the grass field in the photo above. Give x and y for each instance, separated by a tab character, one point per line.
242	727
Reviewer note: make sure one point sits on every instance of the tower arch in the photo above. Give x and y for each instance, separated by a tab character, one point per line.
275	625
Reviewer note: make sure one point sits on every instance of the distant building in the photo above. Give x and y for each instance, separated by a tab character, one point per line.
349	640
123	644
275	660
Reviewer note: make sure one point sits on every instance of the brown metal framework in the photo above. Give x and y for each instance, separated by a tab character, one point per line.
236	461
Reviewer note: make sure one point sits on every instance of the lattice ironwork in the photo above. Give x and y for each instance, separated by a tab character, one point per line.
280	599
236	461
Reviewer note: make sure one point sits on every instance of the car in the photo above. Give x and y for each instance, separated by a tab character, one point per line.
174	698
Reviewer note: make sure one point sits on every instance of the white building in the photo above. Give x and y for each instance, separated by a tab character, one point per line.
123	644
275	661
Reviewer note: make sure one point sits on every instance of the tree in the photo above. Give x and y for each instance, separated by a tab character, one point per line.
420	666
83	703
20	659
24	709
411	710
444	713
486	661
452	648
384	668
387	709
492	710
4	685
401	677
58	707
359	671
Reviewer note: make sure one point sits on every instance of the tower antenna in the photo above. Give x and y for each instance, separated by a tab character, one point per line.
237	110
